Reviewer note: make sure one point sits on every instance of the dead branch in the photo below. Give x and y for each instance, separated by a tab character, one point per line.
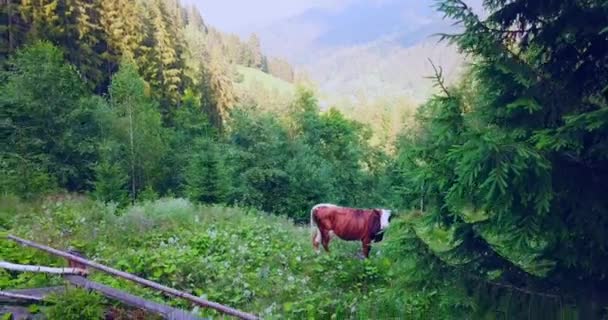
136	279
439	78
41	269
134	301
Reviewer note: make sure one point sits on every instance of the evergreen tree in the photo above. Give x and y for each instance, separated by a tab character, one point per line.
121	20
43	18
190	124
88	42
111	180
73	25
12	28
253	46
206	176
506	172
223	99
163	63
194	18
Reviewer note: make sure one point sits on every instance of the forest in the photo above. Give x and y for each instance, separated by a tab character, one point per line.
125	135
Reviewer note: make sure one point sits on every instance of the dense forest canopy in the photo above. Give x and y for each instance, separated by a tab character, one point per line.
499	181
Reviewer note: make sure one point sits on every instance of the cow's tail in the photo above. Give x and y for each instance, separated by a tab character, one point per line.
314	228
313	225
315	234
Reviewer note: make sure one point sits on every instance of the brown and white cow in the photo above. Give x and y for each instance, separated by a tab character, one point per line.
351	224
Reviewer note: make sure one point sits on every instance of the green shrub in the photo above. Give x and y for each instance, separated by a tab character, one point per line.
76	304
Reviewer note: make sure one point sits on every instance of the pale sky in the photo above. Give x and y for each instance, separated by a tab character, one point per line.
234	15
239	15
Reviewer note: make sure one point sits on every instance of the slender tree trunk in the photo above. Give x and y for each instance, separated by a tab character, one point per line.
11	41
10	26
132	154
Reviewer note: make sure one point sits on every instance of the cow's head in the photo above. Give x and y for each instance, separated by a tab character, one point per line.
384	215
385	218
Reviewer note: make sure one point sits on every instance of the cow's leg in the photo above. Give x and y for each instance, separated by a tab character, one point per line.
316	240
325	237
366	247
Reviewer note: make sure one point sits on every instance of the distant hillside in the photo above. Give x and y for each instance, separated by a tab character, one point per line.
251	77
370	48
254	87
384	70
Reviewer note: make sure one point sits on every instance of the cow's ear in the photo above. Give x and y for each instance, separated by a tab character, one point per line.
377	212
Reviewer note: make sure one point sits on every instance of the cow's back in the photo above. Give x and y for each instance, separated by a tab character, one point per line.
346	223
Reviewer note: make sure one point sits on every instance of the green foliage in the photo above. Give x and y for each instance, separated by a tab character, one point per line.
246	259
110	183
41	104
155	34
111	179
503	176
492	168
135	127
191	124
287	165
206	178
25	178
75	304
343	144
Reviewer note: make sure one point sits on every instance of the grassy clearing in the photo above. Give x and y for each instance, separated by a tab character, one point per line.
244	258
269	82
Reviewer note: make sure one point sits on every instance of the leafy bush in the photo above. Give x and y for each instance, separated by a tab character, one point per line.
76	304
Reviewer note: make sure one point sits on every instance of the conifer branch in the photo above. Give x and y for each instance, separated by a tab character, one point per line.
487	29
439	78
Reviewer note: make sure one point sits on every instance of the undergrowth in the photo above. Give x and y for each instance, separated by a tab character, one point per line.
244	258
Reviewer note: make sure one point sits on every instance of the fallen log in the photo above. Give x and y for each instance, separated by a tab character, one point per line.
136	279
41	269
26	296
19	296
37	295
134	301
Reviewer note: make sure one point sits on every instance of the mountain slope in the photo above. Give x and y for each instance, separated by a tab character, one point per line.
371	48
381	70
256	88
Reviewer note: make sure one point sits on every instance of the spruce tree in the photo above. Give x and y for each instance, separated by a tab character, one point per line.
206	175
506	172
122	23
12	28
256	56
163	63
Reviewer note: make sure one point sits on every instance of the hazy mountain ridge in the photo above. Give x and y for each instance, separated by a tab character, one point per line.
368	48
377	70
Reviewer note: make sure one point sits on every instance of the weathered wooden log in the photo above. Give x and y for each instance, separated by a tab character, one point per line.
41	269
37	292
136	279
134	301
19	296
11	297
